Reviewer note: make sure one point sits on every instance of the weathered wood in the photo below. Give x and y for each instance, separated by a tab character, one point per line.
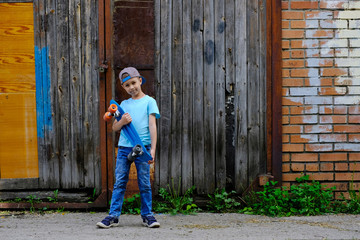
176	93
165	92
220	90
198	99
187	106
240	97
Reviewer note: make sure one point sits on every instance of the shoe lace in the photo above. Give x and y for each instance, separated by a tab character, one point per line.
151	219
107	220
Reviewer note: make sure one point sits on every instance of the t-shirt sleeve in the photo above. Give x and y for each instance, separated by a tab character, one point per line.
153	108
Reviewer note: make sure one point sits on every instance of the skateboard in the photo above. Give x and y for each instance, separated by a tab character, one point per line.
130	132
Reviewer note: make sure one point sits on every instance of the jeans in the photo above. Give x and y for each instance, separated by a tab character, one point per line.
122	177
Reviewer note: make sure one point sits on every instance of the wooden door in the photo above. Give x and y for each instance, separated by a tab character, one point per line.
18	129
133	45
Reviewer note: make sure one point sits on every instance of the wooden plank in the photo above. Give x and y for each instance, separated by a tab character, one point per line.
63	87
240	97
209	96
18	138
220	89
187	110
253	104
262	87
157	72
198	98
165	94
18	184
176	97
76	154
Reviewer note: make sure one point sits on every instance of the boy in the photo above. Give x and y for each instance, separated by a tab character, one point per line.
142	111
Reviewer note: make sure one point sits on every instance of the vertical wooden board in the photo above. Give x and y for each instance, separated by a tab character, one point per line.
76	96
209	96
253	103
157	63
176	100
187	113
63	87
220	88
18	138
50	170
165	91
262	87
198	97
241	97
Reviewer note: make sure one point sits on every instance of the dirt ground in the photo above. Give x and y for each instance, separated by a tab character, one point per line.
15	225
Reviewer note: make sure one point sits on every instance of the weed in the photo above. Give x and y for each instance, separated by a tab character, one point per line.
132	205
93	196
55	198
177	203
221	201
32	200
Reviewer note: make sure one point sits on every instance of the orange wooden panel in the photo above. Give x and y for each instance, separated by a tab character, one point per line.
17	61
18	132
18	138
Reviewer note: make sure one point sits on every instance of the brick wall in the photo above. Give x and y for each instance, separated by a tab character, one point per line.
321	91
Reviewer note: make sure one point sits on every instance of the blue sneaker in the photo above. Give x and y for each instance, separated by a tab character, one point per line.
108	222
150	222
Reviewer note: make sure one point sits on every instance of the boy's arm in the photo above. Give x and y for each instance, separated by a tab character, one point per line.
125	119
153	136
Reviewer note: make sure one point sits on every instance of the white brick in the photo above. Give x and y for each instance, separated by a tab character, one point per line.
303	91
318	100
311	138
355	71
319	129
353	147
346	81
312	52
334	43
347	62
341	52
314	81
311	24
354	90
311	110
354	52
311	43
320	15
324	109
347	34
354	4
330	138
349	14
354	23
333	23
347	100
354	42
330	4
327	52
317	62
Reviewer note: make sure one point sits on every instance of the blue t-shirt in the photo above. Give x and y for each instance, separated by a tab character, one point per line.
139	110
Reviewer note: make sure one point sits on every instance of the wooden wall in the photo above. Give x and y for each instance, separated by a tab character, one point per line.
67	96
210	68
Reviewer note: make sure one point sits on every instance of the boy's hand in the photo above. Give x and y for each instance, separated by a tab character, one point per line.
152	152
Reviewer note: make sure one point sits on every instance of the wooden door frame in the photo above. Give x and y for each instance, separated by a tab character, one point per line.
273	91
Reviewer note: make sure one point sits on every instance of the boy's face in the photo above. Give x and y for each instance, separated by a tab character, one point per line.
133	86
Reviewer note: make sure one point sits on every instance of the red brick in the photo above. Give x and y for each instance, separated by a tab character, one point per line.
354	167
285	24
292	129
292	82
285	138
292	33
285	44
286	167
331	157
347	176
333	119
332	91
341	167
354	119
304	157
296	110
293	63
293	147
285	54
298	24
285	73
292	15
326	167
333	72
321	176
304	5
347	128
339	186
285	157
318	147
285	120
285	110
304	44
299	72
354	137
304	119
340	110
312	167
285	5
354	110
291	177
303	138
285	92
297	53
297	167
354	156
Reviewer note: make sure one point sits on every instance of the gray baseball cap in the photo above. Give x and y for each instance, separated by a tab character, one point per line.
132	72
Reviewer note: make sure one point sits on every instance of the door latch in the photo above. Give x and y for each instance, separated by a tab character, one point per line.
103	67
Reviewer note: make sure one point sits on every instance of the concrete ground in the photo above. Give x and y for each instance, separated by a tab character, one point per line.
15	225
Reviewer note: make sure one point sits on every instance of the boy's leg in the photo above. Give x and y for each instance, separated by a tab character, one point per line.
121	178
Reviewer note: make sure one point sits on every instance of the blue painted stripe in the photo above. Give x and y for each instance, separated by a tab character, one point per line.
43	97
